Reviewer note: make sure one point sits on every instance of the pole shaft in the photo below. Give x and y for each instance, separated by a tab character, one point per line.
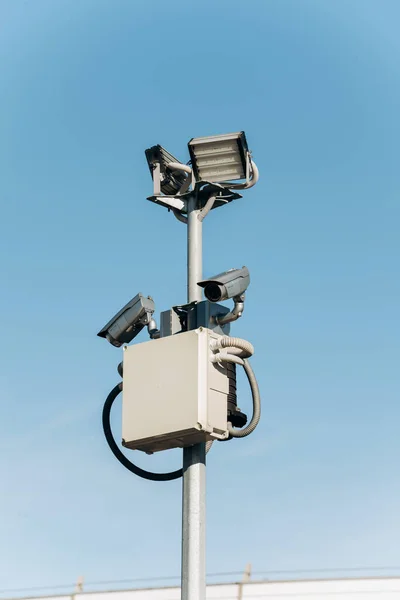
194	253
194	457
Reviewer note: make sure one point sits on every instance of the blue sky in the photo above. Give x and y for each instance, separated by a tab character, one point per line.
87	86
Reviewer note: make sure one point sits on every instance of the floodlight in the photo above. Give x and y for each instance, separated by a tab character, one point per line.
220	158
170	179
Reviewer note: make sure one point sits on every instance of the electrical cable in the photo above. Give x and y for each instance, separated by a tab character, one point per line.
235	345
182	218
117	452
206	208
238	351
240	433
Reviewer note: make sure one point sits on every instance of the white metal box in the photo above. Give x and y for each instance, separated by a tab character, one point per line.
173	395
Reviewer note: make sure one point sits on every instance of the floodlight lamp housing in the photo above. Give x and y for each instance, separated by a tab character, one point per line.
220	158
170	181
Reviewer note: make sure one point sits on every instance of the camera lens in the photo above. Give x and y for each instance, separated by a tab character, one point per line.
212	292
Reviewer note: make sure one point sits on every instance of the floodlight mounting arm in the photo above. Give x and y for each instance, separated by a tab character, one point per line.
175	166
248	183
156	178
255	175
157	174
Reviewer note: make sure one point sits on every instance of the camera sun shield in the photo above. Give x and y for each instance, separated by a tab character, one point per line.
129	321
228	284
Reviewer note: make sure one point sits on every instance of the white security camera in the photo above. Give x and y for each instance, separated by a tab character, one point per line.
129	321
230	284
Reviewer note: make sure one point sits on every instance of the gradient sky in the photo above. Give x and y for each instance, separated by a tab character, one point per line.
87	85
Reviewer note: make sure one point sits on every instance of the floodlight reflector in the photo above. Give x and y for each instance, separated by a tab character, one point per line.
171	181
219	158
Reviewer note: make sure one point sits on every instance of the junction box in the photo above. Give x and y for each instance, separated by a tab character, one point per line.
173	395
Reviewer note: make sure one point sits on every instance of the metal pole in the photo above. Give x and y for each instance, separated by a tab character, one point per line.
194	458
194	252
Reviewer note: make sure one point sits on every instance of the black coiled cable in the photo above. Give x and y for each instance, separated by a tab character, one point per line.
117	452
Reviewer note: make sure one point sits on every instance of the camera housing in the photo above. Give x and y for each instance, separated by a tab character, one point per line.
230	284
129	321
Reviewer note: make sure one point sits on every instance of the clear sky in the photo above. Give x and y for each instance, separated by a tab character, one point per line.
87	85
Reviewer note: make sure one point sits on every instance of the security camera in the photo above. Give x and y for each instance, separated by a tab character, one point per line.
229	284
129	321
